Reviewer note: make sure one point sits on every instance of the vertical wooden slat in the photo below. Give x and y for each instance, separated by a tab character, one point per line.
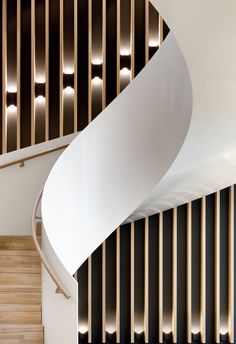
89	61
61	96
118	285
132	286
47	70
75	65
18	53
217	267
104	292
32	72
203	270
132	35
174	286
231	264
160	298
4	76
90	299
103	54
189	272
118	49
146	282
160	30
146	31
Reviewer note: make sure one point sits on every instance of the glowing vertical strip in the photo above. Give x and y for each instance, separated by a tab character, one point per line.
146	31
104	292
89	61
203	270
32	72
4	76
174	282
18	57
104	54
132	41
90	299
146	282
160	30
47	70
132	284
61	96
231	264
118	285
75	65
189	272
217	267
118	50
160	298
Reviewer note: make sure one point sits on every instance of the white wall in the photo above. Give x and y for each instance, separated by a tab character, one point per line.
19	187
118	159
59	314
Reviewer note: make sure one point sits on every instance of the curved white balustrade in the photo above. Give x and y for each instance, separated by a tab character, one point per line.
115	163
206	33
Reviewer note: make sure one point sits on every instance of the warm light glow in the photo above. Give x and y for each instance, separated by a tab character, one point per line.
111	329
11	108
97	61
69	90
97	81
125	52
40	99
224	331
40	79
138	329
125	72
167	329
11	89
195	330
153	43
68	70
83	329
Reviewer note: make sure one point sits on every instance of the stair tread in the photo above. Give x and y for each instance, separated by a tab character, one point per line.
18	253
20	308
18	243
20	297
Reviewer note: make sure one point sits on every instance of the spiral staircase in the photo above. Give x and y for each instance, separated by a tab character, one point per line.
165	141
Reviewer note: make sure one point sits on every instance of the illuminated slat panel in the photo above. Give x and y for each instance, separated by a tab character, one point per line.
174	273
32	101
233	323
75	55
224	260
83	60
82	278
118	285
68	67
203	271
19	56
217	267
90	299
160	276
118	33
182	236
132	283
147	30
153	281
196	265
189	273
146	280
125	310
125	52
11	70
104	290
111	46
47	42
61	67
210	262
132	37
25	74
97	57
54	68
167	272
110	297
154	32
139	49
39	132
139	277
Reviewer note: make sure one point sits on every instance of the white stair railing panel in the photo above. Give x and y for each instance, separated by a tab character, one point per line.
114	164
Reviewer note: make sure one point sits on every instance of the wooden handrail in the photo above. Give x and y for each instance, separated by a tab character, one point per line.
32	156
35	220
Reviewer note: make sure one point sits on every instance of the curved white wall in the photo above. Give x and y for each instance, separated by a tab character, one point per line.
118	159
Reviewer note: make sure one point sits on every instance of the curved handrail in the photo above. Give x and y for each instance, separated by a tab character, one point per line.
35	219
32	156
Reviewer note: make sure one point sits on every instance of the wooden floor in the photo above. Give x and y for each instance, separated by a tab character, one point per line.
20	292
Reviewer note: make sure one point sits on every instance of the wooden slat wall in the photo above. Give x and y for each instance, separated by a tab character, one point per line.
141	250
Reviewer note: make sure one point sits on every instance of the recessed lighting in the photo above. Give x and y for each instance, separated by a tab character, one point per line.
97	80
40	99
69	70
40	80
11	89
125	52
97	61
12	108
83	329
153	43
69	90
125	71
